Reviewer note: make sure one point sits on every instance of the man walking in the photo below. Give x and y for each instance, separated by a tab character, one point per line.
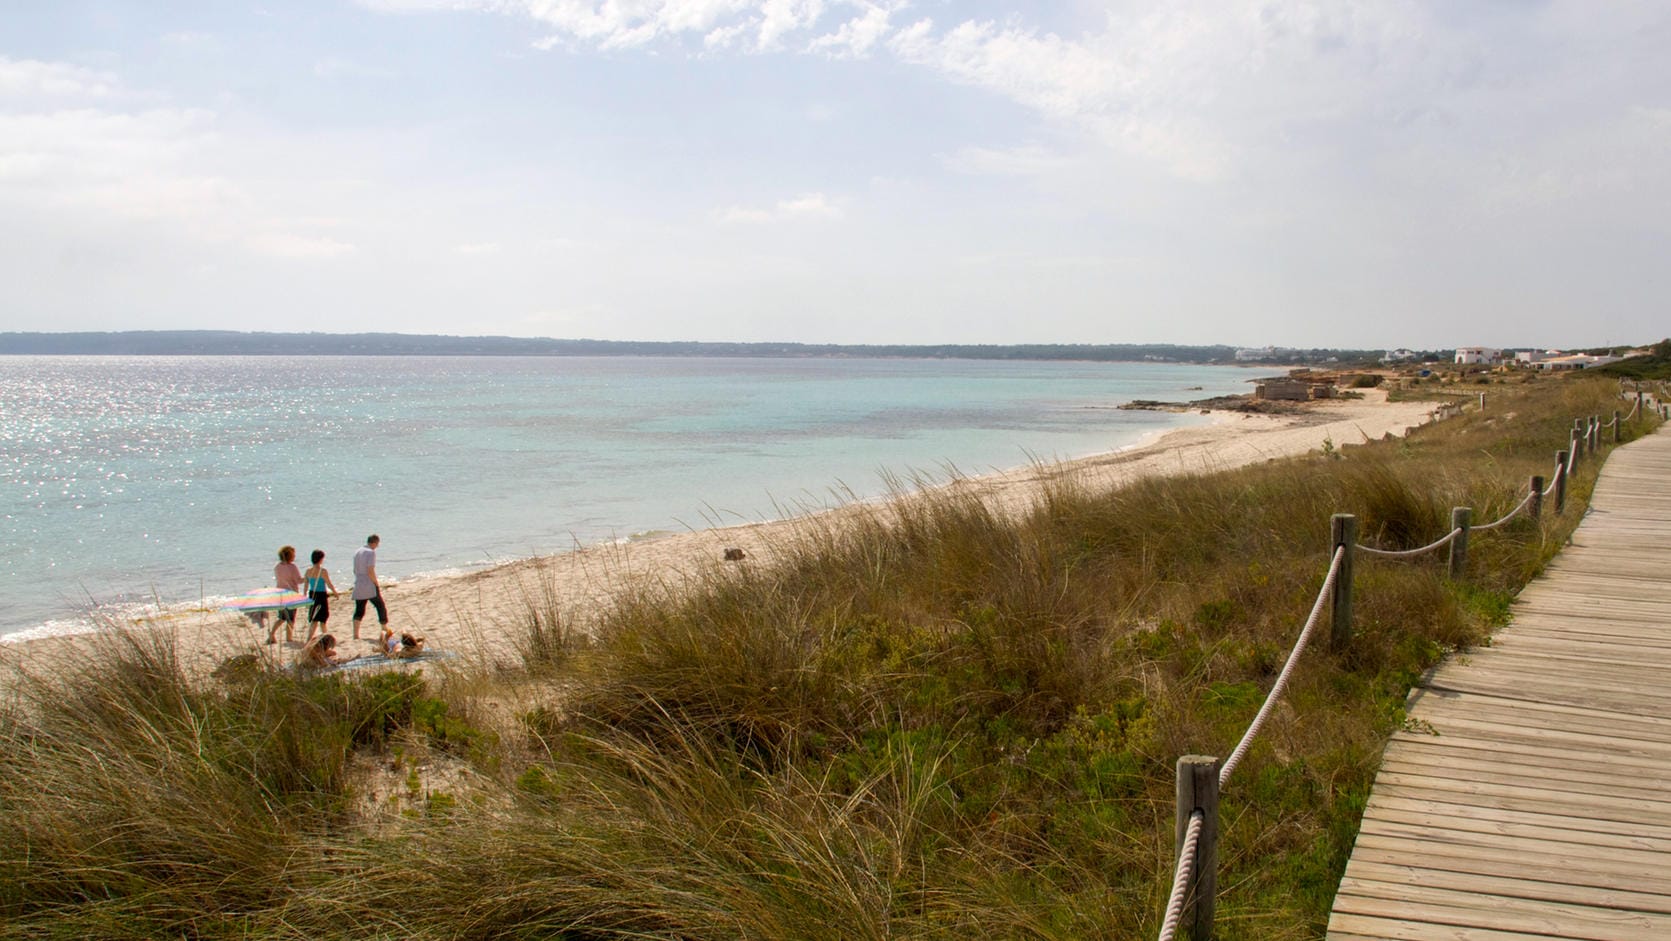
366	587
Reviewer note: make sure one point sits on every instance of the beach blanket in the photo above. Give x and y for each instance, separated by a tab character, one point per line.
377	659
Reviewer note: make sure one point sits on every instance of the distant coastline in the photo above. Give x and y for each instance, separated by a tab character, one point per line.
238	343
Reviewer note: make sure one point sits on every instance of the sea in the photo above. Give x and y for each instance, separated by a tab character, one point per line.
133	484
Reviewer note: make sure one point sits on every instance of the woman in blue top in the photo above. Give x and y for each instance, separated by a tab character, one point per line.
318	581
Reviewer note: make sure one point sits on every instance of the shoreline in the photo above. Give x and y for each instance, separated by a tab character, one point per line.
474	612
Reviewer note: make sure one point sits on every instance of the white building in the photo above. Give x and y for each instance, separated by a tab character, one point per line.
1477	355
1531	357
1249	356
1577	361
1399	356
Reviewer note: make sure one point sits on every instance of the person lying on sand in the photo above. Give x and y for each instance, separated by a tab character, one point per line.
409	646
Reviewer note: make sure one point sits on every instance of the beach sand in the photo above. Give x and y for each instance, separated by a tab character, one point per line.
475	614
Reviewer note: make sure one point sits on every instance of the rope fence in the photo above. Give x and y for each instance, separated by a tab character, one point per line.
1200	778
1409	553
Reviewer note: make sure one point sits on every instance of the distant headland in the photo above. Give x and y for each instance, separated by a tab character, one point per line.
239	343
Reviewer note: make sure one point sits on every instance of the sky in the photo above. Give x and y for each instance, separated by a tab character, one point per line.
1308	173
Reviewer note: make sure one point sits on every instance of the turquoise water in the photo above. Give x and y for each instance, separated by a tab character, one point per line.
140	480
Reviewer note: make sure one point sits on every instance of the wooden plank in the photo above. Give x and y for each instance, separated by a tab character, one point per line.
1462	803
1506	683
1565	844
1624	780
1496	875
1565	671
1460	726
1634	648
1650	890
1544	800
1478	910
1351	927
1514	713
1440	809
1424	813
1579	604
1591	761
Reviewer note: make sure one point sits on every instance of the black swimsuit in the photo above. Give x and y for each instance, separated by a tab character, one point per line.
321	610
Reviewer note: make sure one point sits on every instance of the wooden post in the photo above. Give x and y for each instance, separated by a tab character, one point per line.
1638	403
1561	482
1595	433
1577	438
1343	531
1459	546
1198	790
1535	508
1618	424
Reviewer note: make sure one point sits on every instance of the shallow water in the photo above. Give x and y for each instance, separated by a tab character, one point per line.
140	480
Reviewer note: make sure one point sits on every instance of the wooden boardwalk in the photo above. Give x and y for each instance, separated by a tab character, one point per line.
1539	804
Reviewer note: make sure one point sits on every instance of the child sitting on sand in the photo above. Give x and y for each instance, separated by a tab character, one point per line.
319	653
409	646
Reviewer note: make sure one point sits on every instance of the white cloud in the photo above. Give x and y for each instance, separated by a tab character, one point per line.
859	35
23	165
134	164
337	67
1026	160
809	205
805	206
751	25
1202	90
28	79
291	245
191	39
478	248
740	215
89	165
1129	86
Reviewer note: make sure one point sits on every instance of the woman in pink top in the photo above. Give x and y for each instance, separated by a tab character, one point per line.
288	577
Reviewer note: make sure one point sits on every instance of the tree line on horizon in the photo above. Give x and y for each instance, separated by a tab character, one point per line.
240	343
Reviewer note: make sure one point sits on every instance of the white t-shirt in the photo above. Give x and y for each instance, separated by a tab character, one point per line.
364	559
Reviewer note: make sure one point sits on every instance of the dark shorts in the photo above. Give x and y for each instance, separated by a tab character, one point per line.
321	610
376	602
287	616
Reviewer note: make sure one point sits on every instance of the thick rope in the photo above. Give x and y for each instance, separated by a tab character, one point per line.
1409	553
1507	516
1182	877
1281	683
1555	478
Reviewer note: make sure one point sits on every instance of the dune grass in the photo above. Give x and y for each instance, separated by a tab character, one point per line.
940	721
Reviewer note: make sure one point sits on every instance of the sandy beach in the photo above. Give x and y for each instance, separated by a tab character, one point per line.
474	614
